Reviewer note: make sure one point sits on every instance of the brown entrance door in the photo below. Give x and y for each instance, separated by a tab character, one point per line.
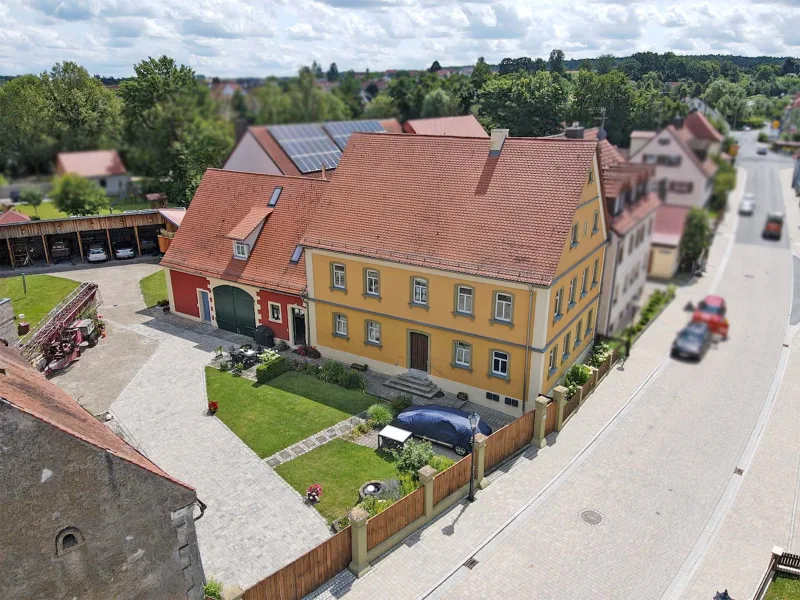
419	351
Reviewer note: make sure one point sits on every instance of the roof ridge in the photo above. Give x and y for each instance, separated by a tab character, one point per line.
279	175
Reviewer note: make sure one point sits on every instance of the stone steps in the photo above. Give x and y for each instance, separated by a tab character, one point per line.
413	385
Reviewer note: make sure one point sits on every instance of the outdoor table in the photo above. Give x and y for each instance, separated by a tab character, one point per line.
397	437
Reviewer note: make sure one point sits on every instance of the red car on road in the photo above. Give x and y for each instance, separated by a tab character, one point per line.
711	310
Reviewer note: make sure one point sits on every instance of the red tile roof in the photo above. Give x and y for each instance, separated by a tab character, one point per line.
94	163
635	214
273	150
642	134
701	128
465	126
442	202
685	137
12	216
248	224
624	175
391	125
223	199
669	224
173	215
24	388
609	155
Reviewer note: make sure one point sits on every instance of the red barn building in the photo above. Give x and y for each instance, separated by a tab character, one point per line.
236	262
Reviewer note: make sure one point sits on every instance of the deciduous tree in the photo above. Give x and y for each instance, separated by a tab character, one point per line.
528	104
78	196
696	237
556	61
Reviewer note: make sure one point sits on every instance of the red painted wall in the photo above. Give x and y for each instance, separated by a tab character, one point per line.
281	329
184	292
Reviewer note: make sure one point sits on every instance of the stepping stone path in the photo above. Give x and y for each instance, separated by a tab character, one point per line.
319	438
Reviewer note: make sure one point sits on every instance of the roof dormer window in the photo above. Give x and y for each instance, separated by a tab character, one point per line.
240	250
276	194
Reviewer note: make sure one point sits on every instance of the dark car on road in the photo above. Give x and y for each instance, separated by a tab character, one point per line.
762	151
447	426
773	228
692	342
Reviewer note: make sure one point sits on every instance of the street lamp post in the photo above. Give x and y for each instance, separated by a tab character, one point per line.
474	419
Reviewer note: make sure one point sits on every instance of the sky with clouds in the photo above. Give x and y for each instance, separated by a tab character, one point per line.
275	37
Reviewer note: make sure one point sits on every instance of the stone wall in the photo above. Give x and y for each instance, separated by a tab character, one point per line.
134	529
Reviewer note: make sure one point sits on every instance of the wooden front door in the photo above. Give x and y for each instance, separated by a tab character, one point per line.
419	352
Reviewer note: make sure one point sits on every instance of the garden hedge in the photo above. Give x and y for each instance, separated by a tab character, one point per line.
272	369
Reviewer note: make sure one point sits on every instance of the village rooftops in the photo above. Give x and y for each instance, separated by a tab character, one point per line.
463	126
445	202
93	163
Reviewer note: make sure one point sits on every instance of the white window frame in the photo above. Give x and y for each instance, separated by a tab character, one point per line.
595	268
567	341
336	270
419	289
584	281
596	222
502	361
502	304
373	327
572	285
463	354
340	319
578	333
468	295
553	364
240	250
589	327
374	275
270	306
559	294
575	233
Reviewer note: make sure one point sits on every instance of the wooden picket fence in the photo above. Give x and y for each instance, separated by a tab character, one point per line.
572	404
385	524
450	480
307	573
550	423
508	440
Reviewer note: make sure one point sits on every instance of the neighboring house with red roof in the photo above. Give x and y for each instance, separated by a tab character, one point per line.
470	264
682	160
235	262
12	216
84	514
103	166
463	126
667	234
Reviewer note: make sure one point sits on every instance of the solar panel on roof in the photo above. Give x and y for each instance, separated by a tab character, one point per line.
307	145
340	130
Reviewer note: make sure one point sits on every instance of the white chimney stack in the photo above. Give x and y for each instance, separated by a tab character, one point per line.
498	138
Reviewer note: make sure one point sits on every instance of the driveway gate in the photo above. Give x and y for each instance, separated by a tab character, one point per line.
234	310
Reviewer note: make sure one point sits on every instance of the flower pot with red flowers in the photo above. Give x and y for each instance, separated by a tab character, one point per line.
314	493
212	408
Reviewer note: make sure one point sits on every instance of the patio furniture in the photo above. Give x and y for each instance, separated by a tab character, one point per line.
393	437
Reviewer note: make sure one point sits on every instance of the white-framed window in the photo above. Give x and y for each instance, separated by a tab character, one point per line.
557	308
502	307
596	222
340	325
372	283
553	359
589	321
463	354
575	234
464	299
499	363
337	275
567	339
578	332
240	250
572	285
591	175
374	333
420	291
275	314
595	268
584	281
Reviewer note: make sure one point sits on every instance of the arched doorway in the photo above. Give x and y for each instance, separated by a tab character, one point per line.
234	310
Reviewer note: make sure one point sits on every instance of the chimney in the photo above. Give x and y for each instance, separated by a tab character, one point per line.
498	138
240	128
323	170
574	133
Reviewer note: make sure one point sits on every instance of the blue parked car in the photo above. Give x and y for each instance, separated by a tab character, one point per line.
447	426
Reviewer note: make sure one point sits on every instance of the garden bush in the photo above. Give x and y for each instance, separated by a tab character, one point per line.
390	490
224	367
600	352
413	457
270	370
463	396
281	346
407	484
353	380
400	403
213	589
331	371
440	463
236	370
577	375
763	137
380	414
374	505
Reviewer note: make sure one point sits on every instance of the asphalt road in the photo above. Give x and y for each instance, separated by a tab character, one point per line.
661	478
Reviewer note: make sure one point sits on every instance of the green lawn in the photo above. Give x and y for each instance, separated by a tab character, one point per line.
48	210
154	288
341	468
44	292
290	408
783	588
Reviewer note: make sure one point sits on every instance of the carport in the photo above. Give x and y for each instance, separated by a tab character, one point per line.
124	235
148	238
70	241
95	236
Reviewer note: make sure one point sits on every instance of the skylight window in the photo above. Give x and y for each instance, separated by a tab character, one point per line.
298	251
275	195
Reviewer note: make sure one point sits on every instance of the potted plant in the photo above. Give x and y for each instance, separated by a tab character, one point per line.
164	240
314	493
218	352
213	407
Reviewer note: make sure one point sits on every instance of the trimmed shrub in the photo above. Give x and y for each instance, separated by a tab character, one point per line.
600	352
352	380
400	403
463	396
407	484
380	414
577	375
413	457
763	137
440	463
332	372
224	367
270	370
236	370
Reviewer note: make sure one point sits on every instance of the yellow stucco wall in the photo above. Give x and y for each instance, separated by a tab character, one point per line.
549	378
663	262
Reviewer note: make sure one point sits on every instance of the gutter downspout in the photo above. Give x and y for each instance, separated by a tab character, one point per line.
527	350
613	283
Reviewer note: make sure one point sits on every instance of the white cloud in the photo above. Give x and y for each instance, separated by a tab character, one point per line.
253	37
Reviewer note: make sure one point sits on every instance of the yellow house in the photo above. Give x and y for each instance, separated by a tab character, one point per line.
472	264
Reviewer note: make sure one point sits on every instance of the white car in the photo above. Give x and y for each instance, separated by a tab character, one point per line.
124	251
97	254
748	205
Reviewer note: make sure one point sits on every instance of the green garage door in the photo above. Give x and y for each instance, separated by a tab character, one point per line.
234	310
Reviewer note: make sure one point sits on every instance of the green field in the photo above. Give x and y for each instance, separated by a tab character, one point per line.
48	210
784	587
154	288
44	293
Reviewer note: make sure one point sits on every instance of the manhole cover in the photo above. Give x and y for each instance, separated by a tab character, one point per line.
591	517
